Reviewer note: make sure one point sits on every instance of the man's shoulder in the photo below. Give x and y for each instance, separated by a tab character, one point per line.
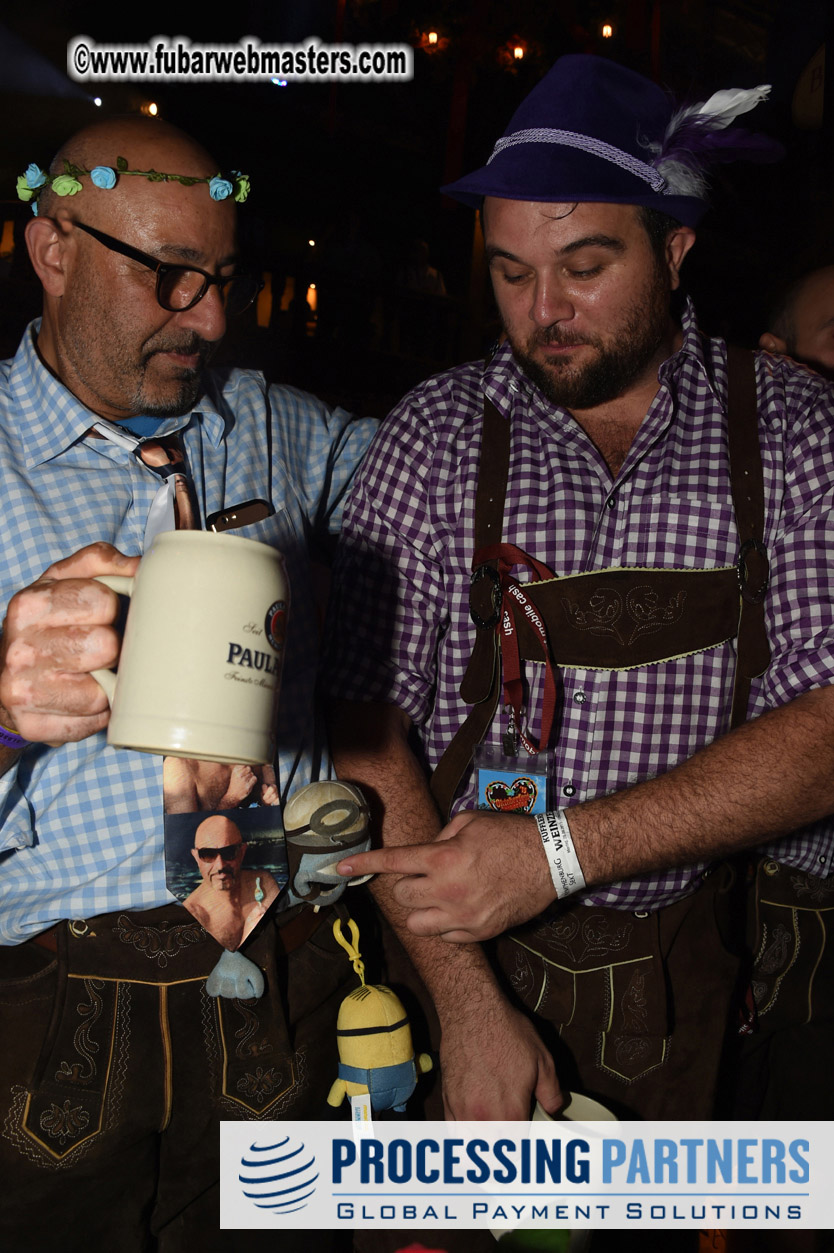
792	374
447	399
791	391
786	389
465	378
238	391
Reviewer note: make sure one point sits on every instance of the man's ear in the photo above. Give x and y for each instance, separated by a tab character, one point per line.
678	243
195	855
772	343
47	246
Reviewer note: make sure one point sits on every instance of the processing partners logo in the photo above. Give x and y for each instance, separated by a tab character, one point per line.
279	1176
549	1175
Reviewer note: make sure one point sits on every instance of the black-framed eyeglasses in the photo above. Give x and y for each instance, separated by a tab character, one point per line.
228	852
180	287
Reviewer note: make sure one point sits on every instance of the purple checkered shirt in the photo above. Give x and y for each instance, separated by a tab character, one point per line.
401	632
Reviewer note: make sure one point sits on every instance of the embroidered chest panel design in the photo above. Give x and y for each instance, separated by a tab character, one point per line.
620	618
626	618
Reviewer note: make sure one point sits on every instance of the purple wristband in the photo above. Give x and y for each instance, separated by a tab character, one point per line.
9	739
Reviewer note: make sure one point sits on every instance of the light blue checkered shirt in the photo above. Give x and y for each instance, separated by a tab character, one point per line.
82	824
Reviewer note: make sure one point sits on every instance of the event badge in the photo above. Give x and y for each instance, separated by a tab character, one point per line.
511	784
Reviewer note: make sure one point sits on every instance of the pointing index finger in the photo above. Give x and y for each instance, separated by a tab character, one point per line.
407	859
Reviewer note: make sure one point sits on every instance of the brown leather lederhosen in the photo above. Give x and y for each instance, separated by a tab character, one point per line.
659	614
606	980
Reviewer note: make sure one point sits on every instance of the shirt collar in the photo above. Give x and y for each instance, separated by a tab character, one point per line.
696	348
503	376
58	420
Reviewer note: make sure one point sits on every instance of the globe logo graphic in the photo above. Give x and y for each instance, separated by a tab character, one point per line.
278	1177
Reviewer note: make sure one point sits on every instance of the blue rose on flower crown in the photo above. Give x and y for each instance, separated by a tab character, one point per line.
104	176
68	183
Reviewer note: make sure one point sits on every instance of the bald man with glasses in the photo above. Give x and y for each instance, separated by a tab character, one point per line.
120	1057
230	901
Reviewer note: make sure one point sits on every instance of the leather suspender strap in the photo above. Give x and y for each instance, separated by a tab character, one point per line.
747	484
481	685
482	681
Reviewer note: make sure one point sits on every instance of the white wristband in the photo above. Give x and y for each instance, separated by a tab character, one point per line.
565	870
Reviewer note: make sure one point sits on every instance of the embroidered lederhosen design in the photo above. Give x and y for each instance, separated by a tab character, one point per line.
98	1057
794	912
611	619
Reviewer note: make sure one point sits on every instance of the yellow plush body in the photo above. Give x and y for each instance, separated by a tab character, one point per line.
376	1054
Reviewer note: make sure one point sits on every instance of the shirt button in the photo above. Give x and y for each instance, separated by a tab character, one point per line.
611	502
569	789
580	698
822	859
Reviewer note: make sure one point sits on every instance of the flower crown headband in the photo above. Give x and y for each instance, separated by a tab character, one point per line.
32	183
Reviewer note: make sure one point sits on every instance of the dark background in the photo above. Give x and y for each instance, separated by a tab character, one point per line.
357	166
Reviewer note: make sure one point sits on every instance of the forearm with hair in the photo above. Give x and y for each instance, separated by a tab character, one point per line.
766	778
369	744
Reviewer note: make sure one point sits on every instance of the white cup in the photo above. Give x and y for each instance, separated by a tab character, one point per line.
577	1108
200	667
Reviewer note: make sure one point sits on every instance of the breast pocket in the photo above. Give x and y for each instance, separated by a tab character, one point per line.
692	533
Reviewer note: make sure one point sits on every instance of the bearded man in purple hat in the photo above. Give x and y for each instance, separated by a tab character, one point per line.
600	562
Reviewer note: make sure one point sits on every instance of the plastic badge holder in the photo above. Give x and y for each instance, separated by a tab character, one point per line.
511	785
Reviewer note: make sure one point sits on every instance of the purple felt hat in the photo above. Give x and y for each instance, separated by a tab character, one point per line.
593	130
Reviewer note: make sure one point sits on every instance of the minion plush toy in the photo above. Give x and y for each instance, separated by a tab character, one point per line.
376	1055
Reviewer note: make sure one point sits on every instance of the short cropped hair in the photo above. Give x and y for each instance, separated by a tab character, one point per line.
658	227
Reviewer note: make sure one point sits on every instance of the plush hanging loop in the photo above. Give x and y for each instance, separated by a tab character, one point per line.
351	946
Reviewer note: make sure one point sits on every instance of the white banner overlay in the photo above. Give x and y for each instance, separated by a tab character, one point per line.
302	1175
